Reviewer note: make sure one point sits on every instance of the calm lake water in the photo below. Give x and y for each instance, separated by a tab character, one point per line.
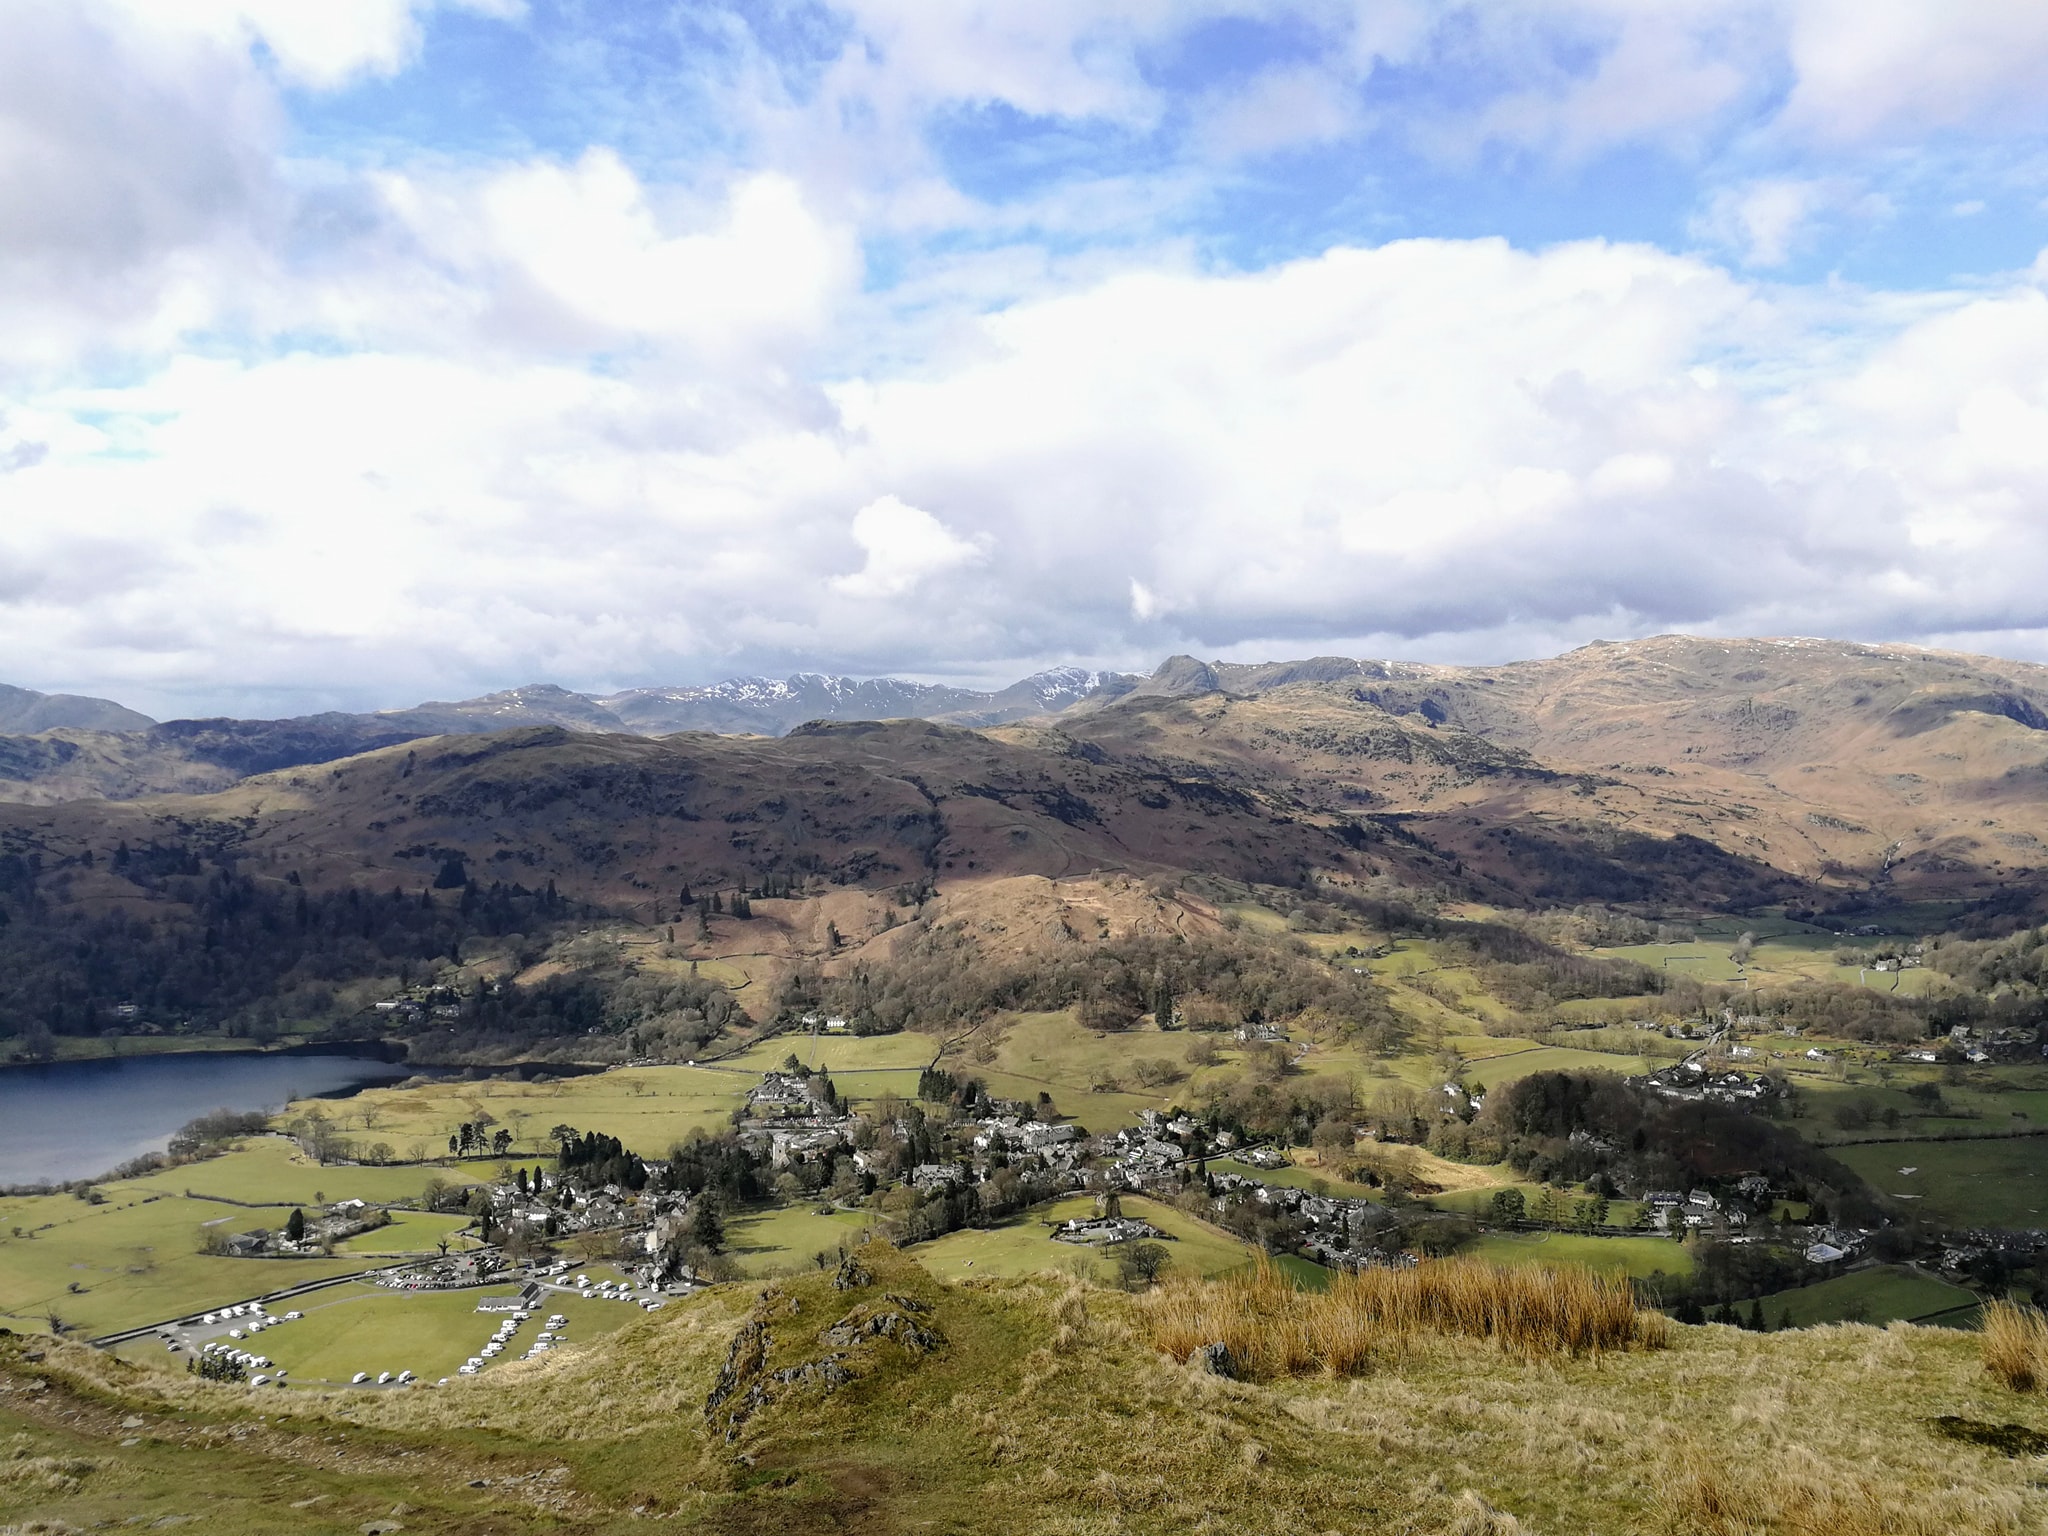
78	1119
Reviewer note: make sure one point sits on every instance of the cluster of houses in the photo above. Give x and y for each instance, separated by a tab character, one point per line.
1695	1079
416	1005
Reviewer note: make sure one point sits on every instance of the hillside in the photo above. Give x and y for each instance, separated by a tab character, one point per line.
1677	779
901	1404
57	747
1739	772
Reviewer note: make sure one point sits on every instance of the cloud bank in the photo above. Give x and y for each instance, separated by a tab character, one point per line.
290	418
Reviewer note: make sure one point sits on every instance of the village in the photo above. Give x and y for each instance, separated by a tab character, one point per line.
646	1231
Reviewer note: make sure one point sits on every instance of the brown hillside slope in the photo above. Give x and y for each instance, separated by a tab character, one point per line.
626	821
1673	771
1917	772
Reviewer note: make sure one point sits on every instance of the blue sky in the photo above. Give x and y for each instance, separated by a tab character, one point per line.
357	353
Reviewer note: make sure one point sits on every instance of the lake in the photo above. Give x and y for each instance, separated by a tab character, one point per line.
79	1119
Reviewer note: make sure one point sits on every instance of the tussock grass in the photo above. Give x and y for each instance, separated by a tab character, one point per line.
1273	1329
1800	1494
2015	1345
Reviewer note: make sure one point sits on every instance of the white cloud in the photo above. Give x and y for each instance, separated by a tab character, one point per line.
1867	71
316	43
905	546
549	416
1430	439
1769	221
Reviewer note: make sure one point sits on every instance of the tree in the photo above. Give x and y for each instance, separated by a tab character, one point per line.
707	1227
452	876
1141	1262
295	1226
501	1141
1755	1321
1509	1206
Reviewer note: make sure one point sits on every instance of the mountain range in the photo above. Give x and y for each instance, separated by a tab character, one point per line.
64	747
1723	774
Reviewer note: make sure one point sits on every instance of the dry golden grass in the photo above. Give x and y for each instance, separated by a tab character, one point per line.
1050	1410
1274	1329
2015	1345
1800	1494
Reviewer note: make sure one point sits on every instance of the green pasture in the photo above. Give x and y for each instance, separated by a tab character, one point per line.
1637	1257
364	1327
1986	1182
1051	1053
855	1055
1778	959
134	1259
648	1108
270	1170
788	1237
1025	1246
411	1232
1306	1273
1507	1068
1871	1296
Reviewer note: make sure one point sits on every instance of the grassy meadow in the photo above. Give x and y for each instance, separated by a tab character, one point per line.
1875	1295
1637	1257
1964	1183
1025	1246
785	1238
133	1260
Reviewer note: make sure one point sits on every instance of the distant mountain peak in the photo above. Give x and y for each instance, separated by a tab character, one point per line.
25	712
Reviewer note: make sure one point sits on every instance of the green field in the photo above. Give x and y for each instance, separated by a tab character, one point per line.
1868	1296
270	1170
1506	1068
1785	954
1025	1246
134	1259
2001	1182
648	1108
776	1241
411	1232
352	1328
1638	1257
852	1054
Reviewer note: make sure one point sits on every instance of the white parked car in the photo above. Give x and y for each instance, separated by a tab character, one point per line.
359	1378
211	1317
259	1381
383	1378
293	1317
466	1370
405	1376
234	1333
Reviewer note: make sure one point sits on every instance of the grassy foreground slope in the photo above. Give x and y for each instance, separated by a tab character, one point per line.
1043	1408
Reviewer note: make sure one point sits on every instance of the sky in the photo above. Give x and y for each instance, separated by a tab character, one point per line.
356	352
